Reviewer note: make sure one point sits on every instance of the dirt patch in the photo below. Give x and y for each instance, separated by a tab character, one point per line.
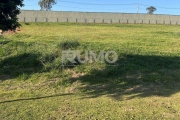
10	31
74	74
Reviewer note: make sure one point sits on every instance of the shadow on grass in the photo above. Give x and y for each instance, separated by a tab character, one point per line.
36	98
3	40
23	64
134	76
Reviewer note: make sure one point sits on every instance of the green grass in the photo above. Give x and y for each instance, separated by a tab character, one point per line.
144	84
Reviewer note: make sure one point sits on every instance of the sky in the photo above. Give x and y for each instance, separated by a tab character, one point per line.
122	6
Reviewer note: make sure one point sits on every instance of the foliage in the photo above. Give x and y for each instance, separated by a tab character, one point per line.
9	9
46	4
151	9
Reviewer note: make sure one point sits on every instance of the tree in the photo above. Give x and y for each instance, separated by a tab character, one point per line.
151	9
46	4
9	9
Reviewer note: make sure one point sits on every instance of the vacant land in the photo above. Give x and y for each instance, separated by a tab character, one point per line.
143	84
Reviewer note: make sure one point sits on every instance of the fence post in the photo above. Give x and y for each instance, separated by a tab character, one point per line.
142	22
119	21
149	22
46	19
24	19
127	21
67	20
35	19
134	21
170	22
94	21
57	19
76	20
85	20
111	21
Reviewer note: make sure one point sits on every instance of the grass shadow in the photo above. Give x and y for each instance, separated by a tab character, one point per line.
135	76
4	40
20	59
23	64
35	98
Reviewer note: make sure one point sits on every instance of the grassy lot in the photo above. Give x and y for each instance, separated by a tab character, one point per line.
144	83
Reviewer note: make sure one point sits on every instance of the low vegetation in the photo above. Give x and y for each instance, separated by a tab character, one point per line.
143	84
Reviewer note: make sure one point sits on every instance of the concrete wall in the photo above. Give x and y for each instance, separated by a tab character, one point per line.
88	17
